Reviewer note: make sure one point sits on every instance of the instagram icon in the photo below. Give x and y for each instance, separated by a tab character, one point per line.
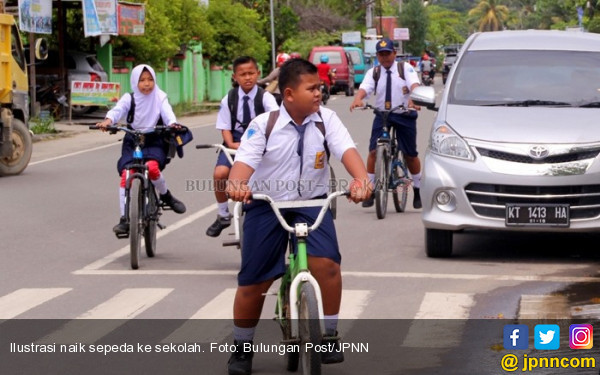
581	336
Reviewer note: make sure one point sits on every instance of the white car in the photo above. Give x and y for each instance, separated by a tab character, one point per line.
516	140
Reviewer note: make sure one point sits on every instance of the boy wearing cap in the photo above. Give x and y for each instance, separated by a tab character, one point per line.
391	89
293	152
238	108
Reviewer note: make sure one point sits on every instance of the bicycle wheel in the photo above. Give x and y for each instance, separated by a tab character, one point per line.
135	221
400	192
151	223
309	330
381	180
291	358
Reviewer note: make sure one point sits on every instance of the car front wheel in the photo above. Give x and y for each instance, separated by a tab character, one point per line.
438	243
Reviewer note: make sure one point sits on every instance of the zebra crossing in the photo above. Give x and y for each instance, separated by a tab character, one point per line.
131	303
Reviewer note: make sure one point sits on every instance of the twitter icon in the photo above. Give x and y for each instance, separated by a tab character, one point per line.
547	337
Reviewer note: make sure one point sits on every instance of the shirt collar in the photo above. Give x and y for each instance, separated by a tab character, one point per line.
285	118
251	94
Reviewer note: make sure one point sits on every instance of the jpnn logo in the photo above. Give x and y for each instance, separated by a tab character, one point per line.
581	336
516	336
547	337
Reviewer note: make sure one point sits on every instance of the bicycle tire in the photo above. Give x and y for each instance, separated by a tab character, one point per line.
398	174
291	358
309	330
151	223
381	180
135	222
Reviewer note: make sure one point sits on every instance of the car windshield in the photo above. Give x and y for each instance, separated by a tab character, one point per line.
334	57
527	78
355	56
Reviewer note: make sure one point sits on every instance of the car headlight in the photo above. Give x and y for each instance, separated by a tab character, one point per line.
447	142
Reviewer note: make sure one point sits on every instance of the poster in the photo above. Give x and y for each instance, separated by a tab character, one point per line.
131	19
104	94
107	16
35	16
91	25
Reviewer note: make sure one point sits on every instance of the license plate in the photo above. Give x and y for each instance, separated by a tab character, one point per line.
552	215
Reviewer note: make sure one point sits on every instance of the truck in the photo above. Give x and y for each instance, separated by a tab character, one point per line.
15	137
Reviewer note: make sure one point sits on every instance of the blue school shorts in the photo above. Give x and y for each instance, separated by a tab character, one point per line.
222	158
406	132
265	242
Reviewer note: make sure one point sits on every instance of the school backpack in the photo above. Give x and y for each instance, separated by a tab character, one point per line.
232	103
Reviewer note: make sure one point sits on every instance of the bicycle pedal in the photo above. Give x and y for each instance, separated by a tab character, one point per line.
161	226
270	294
231	243
122	235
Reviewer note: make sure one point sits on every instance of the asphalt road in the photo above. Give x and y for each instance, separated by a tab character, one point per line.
62	261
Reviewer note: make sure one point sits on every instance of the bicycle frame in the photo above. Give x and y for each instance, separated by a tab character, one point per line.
297	271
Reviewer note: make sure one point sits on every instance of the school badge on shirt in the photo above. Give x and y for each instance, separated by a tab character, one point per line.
320	160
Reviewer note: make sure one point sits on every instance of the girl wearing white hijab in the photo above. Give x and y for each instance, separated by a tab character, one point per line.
151	107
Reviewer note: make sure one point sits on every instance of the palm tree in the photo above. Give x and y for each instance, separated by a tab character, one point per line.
489	16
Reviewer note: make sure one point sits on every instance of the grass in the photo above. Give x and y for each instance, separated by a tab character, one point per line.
39	125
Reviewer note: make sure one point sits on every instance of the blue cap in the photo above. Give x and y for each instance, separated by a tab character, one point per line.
385	44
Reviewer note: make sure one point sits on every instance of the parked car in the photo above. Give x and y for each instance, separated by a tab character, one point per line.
516	143
339	60
81	66
360	67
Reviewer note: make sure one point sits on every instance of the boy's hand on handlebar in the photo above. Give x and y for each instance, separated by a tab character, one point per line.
239	191
356	103
104	124
360	190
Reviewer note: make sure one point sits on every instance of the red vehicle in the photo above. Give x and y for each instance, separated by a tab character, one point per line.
341	62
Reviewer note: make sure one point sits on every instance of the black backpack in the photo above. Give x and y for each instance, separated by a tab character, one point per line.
377	73
232	103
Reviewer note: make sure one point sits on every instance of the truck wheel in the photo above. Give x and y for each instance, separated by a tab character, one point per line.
22	145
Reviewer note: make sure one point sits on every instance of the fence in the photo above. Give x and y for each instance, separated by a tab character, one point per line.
187	79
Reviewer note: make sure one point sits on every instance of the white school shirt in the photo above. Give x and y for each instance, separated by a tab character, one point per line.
368	84
277	172
119	113
224	115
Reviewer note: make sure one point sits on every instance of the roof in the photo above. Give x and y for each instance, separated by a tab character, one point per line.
536	40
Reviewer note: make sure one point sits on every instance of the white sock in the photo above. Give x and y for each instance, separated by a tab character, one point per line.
223	209
371	177
416	180
122	201
331	324
160	184
243	334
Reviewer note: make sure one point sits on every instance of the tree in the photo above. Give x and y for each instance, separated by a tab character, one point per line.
415	19
238	31
489	16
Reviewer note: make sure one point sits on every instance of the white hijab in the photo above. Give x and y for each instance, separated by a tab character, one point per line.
147	107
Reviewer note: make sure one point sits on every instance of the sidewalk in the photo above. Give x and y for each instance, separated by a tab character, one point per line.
76	136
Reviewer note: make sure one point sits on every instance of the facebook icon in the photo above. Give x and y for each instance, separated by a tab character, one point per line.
516	336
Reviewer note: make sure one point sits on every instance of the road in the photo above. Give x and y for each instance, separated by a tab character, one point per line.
61	260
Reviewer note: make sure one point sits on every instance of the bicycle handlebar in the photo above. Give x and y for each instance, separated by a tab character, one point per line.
384	111
157	129
323	203
229	152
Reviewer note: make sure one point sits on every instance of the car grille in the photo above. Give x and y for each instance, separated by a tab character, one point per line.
490	200
554	159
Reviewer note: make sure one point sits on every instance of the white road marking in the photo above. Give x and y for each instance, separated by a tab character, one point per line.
19	301
441	315
107	316
92	268
98	148
541	307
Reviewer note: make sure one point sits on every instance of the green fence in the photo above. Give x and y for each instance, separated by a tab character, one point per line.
189	79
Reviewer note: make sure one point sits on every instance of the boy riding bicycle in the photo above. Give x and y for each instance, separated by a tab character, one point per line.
392	88
266	162
146	107
238	108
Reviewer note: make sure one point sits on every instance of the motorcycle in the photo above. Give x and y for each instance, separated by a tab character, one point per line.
324	93
426	78
51	99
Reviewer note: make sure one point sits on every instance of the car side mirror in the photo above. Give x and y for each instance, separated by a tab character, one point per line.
41	49
424	96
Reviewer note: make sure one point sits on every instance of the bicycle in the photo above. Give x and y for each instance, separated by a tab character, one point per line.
391	173
143	207
299	308
237	208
